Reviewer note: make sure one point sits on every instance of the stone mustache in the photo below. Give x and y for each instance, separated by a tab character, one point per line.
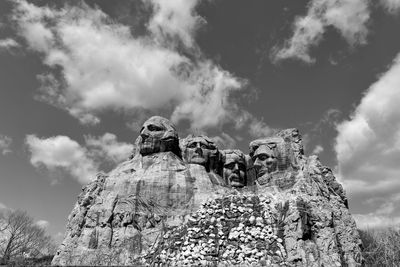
185	202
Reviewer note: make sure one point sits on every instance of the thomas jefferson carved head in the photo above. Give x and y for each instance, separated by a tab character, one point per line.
199	150
234	171
158	135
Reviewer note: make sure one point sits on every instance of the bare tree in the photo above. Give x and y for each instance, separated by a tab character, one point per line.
20	236
3	227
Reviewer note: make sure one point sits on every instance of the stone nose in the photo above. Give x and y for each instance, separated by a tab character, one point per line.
236	167
198	149
144	133
257	163
270	161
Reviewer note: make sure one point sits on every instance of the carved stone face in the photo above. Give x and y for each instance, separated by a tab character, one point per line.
157	135
198	150
234	168
265	160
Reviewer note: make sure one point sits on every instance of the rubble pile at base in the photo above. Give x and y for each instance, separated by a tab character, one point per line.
232	230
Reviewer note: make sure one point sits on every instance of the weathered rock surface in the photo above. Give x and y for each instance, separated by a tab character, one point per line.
310	224
125	212
160	208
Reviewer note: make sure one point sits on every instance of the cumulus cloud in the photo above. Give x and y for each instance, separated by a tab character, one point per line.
61	152
348	17
97	65
208	105
392	6
43	224
82	162
368	144
8	43
108	147
5	143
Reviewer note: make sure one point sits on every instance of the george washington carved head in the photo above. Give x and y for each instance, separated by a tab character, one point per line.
158	135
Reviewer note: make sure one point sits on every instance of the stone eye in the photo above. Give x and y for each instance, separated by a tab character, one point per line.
230	165
154	128
262	157
203	146
192	145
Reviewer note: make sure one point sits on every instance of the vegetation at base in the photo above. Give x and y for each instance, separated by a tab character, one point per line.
41	261
23	241
381	246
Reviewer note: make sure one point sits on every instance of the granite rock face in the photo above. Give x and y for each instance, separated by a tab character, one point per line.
184	202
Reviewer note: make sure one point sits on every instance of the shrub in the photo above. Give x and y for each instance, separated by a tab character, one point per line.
381	247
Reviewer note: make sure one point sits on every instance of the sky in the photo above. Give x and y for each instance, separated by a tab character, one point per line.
78	78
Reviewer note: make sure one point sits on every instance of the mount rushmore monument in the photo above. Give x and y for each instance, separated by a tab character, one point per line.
185	202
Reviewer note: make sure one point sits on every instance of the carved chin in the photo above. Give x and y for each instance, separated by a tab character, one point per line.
236	184
266	170
198	160
149	146
152	145
146	149
235	181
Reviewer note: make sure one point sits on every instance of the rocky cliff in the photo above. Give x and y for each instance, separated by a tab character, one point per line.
185	202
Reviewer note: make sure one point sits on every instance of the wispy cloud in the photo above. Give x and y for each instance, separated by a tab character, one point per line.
224	141
258	128
100	66
318	149
108	147
368	144
348	17
8	43
43	224
391	6
5	143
